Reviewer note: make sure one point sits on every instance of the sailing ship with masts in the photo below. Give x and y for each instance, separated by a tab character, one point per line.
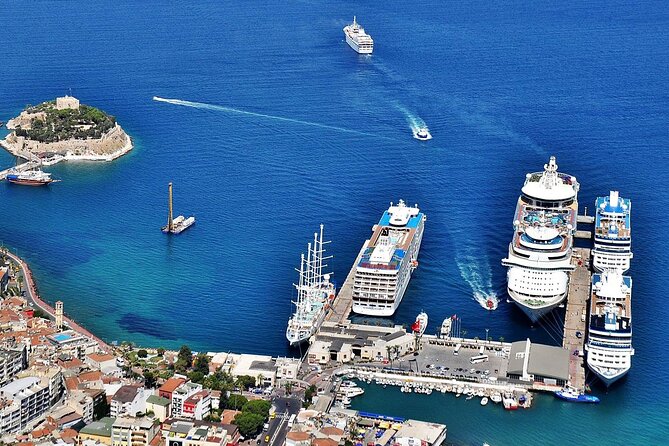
315	293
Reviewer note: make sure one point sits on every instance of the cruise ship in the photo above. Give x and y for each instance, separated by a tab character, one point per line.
539	258
609	343
389	259
613	233
315	293
358	39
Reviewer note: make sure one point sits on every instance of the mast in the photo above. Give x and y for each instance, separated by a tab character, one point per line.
170	224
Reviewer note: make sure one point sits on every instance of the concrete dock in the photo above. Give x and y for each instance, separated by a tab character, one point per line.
575	319
341	307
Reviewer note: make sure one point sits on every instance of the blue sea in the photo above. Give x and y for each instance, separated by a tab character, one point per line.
286	128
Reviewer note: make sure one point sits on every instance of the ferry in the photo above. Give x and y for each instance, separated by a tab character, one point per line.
420	324
539	257
315	293
609	343
358	39
388	260
33	177
613	237
421	133
573	395
446	326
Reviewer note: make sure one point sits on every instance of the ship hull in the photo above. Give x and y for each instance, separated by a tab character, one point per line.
535	313
27	182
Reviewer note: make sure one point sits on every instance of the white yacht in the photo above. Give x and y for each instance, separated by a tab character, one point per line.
388	260
539	258
613	233
315	293
609	343
358	39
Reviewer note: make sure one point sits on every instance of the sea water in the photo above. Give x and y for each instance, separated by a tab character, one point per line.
279	126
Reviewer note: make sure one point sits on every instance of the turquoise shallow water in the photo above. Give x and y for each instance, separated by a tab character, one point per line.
324	137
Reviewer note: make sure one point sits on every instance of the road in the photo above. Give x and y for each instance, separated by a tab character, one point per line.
278	427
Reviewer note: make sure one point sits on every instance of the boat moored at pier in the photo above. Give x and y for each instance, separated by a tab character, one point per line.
613	233
388	260
609	343
32	177
539	258
315	293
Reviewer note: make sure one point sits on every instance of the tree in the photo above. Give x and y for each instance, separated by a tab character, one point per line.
160	351
201	364
289	387
249	424
196	376
184	359
245	382
309	395
149	379
236	402
260	407
142	353
501	339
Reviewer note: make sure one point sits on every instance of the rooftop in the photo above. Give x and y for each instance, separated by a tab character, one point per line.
101	427
171	384
158	400
125	394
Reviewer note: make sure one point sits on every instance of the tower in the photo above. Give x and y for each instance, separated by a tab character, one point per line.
170	225
59	315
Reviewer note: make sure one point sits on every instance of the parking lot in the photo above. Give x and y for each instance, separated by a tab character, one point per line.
441	362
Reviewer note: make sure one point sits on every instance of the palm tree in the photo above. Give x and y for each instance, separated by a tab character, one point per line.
501	339
289	387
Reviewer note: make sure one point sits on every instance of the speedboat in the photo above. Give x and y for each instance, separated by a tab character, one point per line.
484	401
510	402
496	397
573	395
421	133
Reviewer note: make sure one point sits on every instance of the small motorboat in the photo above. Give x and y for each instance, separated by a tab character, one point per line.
496	397
484	401
509	402
491	304
573	395
421	133
420	324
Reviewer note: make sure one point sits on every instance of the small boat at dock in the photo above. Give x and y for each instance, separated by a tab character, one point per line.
420	324
484	401
573	395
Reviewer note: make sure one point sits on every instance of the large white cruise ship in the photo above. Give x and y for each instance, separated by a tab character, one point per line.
613	233
388	260
609	343
539	258
315	293
358	39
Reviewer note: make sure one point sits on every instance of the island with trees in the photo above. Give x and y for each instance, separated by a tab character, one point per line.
64	129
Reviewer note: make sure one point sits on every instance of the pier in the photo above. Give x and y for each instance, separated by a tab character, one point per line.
341	307
576	316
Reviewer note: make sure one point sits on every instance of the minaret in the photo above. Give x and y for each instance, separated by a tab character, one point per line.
170	225
59	315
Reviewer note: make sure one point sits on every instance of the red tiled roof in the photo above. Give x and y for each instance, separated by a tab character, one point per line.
171	385
100	357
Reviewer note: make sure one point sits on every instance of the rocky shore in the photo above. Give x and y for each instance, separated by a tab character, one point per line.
53	135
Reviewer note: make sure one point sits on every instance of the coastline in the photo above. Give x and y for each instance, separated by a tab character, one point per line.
124	149
34	296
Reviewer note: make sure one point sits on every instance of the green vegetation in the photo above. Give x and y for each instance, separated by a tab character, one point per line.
40	313
184	359
236	402
60	125
142	353
309	395
258	407
249	424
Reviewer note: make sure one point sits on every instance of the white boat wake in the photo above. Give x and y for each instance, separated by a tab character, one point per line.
418	127
205	106
478	276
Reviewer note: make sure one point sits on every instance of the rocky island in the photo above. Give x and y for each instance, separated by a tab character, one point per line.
63	130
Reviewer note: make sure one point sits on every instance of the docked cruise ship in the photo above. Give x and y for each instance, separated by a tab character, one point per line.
609	343
539	258
358	39
315	293
613	233
388	260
